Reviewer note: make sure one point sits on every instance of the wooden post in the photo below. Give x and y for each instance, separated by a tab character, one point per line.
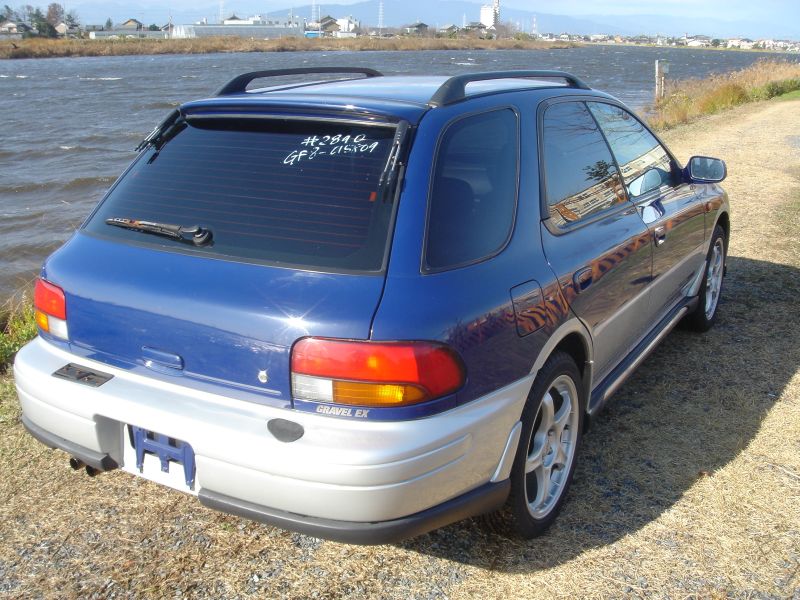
662	68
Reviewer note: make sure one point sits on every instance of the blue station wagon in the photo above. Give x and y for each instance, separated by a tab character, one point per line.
363	307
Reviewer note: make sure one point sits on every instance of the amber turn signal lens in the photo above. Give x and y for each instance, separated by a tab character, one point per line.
375	394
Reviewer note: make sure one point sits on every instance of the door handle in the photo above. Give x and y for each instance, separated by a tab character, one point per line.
582	279
660	235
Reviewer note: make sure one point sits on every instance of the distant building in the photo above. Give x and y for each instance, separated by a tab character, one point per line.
418	28
130	25
255	27
348	24
129	29
487	15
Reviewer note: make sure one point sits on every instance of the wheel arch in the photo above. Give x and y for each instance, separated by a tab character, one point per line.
571	338
724	221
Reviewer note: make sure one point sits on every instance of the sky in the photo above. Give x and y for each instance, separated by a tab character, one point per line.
769	13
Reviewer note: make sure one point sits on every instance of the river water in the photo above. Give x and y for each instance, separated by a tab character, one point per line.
70	124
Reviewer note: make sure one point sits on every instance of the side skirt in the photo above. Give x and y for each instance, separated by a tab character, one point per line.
624	369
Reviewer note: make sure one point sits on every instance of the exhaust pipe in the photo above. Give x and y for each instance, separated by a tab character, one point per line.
75	463
91	471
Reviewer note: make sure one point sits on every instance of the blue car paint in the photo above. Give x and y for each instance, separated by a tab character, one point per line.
228	321
469	308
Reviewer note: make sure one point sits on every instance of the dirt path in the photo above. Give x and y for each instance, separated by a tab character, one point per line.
689	484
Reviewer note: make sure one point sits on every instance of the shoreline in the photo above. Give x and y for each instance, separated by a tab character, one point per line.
49	48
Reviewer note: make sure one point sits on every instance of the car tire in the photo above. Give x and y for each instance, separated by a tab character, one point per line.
552	425
704	315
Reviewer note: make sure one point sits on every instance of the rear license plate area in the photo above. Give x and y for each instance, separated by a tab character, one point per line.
160	458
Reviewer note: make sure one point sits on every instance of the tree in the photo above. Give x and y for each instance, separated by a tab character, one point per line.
9	14
716	42
26	13
55	14
109	24
154	27
72	19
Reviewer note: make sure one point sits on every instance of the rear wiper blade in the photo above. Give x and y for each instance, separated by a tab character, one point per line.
159	133
389	173
197	235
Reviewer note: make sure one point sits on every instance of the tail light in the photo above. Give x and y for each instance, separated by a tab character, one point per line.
360	373
50	309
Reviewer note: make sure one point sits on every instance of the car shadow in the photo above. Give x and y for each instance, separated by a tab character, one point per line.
693	405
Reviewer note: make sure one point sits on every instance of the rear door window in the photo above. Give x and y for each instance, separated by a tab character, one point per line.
581	178
299	193
474	190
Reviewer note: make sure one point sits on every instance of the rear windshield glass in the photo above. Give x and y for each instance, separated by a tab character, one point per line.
300	193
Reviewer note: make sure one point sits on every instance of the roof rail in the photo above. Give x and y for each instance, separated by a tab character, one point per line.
454	89
239	84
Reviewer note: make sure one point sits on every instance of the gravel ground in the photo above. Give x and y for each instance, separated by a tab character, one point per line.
688	485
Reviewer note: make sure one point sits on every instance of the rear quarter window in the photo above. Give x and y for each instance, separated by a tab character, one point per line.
300	193
473	190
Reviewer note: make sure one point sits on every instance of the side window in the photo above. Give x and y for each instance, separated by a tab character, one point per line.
581	178
644	163
474	190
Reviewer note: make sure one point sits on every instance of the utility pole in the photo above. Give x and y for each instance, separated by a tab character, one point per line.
380	19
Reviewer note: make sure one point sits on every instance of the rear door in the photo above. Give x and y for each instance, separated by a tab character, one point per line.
593	237
299	237
668	205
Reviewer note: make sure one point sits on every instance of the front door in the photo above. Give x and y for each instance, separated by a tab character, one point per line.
593	237
654	182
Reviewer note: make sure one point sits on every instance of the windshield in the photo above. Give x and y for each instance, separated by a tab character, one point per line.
299	193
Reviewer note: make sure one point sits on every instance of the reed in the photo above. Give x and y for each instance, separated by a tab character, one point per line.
47	48
689	99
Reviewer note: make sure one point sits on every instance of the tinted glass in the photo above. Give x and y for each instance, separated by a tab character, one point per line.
474	189
644	163
294	192
580	175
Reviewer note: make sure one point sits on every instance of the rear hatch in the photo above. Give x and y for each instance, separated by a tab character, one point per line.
298	219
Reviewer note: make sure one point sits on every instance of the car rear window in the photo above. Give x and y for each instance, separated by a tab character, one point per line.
300	193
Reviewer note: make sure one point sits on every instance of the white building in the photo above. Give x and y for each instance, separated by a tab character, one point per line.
347	24
255	27
487	15
490	14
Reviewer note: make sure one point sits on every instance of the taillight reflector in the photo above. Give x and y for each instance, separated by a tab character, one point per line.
364	373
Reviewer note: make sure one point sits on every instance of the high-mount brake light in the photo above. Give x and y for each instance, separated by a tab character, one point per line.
376	374
50	309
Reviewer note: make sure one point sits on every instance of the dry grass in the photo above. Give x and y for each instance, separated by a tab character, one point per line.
687	100
46	48
687	486
16	325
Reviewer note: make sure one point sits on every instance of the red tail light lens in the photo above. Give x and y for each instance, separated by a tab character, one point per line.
374	373
50	306
50	299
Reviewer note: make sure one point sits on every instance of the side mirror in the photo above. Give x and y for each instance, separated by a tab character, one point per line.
704	169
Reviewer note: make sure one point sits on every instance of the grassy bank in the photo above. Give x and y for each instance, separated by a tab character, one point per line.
45	48
685	100
16	327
